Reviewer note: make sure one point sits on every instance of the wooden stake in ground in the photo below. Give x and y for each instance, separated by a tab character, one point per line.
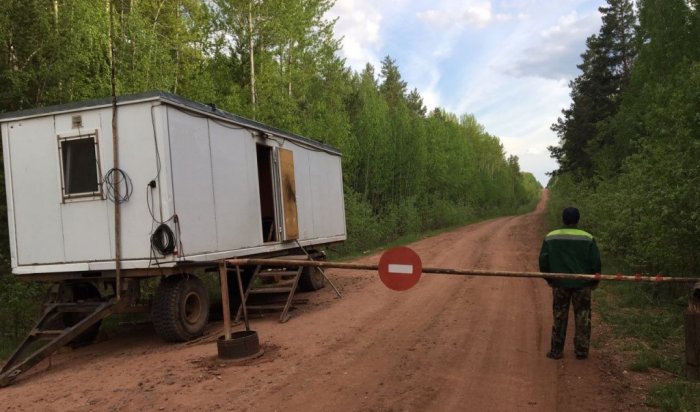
223	278
691	319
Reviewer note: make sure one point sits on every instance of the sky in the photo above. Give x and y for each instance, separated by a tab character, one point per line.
507	62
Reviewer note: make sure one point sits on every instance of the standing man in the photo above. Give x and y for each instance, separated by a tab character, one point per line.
570	250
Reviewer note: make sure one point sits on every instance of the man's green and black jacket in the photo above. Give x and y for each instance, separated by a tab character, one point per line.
570	250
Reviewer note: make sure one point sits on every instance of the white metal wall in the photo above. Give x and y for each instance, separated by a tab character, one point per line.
319	185
208	176
36	191
326	181
193	188
215	186
214	178
137	158
236	197
48	230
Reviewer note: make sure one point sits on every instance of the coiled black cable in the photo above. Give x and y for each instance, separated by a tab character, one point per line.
114	178
163	240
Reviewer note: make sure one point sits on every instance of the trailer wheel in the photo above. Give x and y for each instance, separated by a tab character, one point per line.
180	309
311	279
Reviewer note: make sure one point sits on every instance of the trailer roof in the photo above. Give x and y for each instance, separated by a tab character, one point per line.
209	110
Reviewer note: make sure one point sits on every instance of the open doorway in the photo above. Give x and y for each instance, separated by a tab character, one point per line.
267	197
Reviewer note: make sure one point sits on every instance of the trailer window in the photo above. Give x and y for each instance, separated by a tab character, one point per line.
80	169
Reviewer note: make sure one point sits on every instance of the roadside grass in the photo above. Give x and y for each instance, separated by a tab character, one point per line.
646	321
8	344
344	254
677	396
650	332
21	305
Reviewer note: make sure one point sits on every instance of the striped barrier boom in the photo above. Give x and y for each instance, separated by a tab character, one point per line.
469	272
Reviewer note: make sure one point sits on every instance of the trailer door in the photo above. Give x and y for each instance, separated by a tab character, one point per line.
285	160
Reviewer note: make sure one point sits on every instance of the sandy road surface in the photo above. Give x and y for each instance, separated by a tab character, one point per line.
449	344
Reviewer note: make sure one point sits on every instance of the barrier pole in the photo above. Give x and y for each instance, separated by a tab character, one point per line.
471	272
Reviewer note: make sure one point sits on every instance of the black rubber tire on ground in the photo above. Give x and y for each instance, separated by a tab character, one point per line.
82	292
311	279
242	344
180	308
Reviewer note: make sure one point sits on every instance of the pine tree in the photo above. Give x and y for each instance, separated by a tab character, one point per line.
596	93
393	88
415	103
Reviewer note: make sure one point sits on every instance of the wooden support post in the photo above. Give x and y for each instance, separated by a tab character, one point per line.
223	278
115	159
691	319
242	294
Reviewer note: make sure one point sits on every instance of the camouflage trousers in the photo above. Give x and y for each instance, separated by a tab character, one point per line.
581	299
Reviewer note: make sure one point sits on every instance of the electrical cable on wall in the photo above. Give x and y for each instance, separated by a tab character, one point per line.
163	239
114	178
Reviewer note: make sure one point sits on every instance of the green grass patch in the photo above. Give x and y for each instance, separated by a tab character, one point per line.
676	396
648	326
647	330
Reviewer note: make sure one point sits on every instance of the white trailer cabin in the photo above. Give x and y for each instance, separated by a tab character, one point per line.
197	185
221	185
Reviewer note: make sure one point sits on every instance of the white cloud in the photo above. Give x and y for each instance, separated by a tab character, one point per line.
426	78
557	49
506	61
465	13
532	153
518	112
359	25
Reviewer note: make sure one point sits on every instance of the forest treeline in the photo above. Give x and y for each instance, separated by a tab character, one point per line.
406	170
629	149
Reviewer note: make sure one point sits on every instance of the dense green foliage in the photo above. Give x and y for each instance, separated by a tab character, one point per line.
628	157
596	93
405	170
636	173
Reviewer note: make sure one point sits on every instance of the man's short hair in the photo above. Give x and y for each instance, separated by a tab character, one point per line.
570	216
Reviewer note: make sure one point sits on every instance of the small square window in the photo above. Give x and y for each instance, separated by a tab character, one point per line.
80	168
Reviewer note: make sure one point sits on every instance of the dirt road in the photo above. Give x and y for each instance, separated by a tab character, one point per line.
449	344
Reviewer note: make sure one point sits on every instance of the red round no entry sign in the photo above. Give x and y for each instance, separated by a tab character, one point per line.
400	268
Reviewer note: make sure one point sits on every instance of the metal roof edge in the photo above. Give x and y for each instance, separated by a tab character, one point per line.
167	98
77	106
212	111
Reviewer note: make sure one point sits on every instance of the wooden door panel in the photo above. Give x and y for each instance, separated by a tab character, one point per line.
289	197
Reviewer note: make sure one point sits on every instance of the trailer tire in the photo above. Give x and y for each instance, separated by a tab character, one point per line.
180	309
311	279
